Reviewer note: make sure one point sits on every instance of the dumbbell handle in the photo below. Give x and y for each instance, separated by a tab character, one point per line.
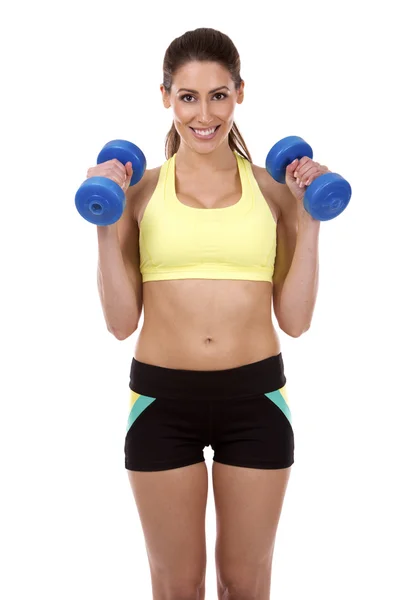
124	152
285	152
100	200
327	196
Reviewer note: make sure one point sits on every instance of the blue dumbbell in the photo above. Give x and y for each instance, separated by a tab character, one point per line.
327	196
100	200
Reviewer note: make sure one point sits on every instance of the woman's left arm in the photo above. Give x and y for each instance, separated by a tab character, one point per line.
295	282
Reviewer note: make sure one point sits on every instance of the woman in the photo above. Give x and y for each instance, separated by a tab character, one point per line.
209	242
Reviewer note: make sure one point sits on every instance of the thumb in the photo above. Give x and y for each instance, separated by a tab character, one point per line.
129	171
290	169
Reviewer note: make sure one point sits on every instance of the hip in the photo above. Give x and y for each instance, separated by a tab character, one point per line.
243	413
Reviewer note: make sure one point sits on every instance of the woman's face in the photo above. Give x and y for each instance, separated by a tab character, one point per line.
203	97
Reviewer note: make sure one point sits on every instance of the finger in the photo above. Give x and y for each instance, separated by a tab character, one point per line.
307	171
114	166
115	171
303	166
303	161
119	180
129	173
301	171
292	167
311	176
312	172
118	167
129	176
114	162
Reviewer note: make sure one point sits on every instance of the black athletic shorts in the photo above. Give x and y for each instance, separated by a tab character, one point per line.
242	413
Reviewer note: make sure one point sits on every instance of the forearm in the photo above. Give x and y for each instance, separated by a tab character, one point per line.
299	291
115	288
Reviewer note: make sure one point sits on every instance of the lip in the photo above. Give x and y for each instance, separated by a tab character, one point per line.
205	137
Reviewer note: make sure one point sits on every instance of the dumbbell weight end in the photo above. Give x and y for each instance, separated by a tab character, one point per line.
100	201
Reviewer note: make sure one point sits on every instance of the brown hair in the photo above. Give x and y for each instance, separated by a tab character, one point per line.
203	44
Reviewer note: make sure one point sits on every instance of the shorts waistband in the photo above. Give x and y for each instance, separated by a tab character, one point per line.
264	376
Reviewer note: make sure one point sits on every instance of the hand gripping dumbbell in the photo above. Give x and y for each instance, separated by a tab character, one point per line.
327	196
100	200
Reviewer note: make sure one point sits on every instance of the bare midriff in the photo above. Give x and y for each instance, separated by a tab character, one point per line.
203	324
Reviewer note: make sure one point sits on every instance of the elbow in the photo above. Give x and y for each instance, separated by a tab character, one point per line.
122	334
295	332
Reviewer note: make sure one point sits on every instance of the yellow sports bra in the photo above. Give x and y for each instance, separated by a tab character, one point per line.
182	242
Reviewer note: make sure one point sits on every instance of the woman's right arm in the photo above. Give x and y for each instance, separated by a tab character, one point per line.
118	274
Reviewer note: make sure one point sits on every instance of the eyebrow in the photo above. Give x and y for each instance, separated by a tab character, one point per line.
210	92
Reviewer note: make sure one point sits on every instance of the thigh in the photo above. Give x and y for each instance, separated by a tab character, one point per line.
248	505
254	431
164	432
172	509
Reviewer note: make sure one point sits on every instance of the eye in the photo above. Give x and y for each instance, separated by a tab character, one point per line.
186	96
222	95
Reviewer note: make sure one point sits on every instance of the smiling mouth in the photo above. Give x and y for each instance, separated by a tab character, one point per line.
205	133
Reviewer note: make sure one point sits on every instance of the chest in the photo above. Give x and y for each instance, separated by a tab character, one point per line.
204	193
209	191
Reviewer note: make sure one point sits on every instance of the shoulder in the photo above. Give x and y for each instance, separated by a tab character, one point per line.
138	193
277	193
268	187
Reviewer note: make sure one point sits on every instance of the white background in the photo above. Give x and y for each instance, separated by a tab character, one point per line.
73	78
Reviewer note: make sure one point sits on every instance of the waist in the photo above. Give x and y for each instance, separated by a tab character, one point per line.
263	376
184	348
204	324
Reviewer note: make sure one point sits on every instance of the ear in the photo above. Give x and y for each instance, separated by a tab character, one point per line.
240	92
165	97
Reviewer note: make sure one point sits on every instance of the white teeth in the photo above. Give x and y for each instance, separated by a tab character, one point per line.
205	132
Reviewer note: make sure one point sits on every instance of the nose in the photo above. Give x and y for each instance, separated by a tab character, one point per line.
204	116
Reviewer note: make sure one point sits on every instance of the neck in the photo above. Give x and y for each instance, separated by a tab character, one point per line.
222	158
